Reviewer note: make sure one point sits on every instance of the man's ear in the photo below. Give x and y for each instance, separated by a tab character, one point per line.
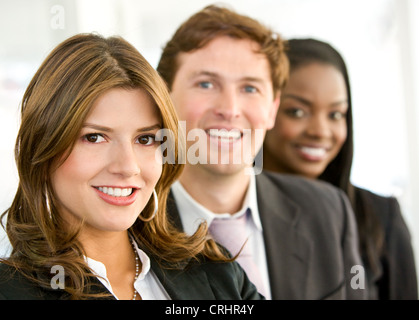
273	111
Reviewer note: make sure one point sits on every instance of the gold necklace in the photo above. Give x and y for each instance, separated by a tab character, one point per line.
137	268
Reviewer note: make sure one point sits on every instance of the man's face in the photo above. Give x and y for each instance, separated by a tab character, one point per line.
224	93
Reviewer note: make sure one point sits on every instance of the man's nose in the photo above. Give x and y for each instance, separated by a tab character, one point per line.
227	104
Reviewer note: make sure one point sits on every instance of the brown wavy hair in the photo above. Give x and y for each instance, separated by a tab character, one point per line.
215	21
53	109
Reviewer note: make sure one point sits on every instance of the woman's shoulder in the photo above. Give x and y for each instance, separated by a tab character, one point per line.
11	283
377	198
205	279
386	208
379	201
8	275
229	281
15	286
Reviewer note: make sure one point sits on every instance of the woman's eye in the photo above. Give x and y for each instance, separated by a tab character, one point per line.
146	140
94	138
337	115
295	112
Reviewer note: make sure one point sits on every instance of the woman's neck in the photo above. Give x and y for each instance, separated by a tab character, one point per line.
100	245
116	252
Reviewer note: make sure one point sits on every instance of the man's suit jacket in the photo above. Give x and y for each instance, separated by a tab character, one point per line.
310	238
196	281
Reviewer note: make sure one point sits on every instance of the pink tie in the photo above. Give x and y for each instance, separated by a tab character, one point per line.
232	234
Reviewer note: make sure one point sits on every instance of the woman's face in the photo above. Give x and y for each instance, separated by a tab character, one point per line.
310	127
110	174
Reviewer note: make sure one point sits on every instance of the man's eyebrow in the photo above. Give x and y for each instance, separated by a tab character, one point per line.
205	73
217	75
108	129
253	79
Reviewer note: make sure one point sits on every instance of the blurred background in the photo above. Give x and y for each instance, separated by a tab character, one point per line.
379	40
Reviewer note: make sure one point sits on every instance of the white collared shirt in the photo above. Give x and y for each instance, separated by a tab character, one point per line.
147	283
193	213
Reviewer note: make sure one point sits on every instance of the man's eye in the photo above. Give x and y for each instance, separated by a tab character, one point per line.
250	89
94	138
146	140
205	84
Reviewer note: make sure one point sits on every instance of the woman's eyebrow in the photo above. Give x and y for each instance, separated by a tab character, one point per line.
298	98
97	127
309	103
108	129
157	126
338	103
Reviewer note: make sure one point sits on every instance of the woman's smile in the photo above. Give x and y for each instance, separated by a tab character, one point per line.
312	153
117	196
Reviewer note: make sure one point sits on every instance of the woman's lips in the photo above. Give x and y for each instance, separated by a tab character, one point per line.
117	196
311	153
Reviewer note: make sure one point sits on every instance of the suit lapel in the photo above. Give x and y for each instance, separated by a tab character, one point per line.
287	250
184	284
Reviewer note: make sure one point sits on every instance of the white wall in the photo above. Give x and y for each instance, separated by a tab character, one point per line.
378	39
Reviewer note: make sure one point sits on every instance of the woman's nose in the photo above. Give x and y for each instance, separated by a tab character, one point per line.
124	161
318	127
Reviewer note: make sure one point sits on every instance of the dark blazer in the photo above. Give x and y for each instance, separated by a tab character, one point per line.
204	281
396	279
310	238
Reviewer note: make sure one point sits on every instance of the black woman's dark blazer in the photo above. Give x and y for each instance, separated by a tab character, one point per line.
396	278
310	238
196	281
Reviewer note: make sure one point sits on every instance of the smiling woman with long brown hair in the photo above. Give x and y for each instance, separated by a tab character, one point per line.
93	187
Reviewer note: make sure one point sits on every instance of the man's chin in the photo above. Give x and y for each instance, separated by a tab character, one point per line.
225	169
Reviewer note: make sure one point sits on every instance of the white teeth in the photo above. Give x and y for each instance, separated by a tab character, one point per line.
116	192
314	152
225	134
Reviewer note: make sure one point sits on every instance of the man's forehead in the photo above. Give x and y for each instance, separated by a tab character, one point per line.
226	57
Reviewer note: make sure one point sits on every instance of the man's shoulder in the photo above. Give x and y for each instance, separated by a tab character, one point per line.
296	186
314	199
